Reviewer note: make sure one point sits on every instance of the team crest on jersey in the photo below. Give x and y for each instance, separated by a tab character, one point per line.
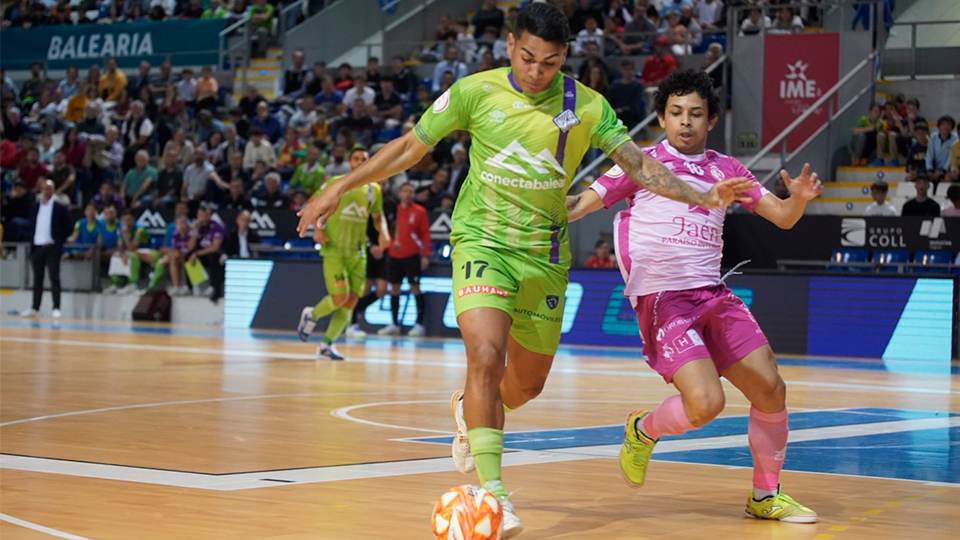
717	173
566	120
441	103
553	301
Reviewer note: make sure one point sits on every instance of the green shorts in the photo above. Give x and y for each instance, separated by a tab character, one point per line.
344	274
529	289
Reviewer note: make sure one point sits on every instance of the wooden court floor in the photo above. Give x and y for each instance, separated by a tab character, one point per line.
113	431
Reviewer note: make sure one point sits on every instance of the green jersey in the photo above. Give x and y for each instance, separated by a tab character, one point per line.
525	150
347	227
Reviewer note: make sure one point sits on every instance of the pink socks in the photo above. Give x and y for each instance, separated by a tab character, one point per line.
767	433
667	419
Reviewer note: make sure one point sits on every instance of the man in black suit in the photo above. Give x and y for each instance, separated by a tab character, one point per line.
239	240
50	226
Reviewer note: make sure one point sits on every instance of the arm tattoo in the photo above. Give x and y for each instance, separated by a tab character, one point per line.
572	201
654	176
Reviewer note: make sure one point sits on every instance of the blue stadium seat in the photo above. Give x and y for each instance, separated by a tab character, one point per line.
889	259
849	256
932	257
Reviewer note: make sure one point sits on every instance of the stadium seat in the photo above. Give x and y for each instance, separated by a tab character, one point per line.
890	259
932	257
849	256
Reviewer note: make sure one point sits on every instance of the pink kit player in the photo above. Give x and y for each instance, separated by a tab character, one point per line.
694	329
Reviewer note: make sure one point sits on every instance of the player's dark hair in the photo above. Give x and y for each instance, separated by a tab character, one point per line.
544	21
687	81
948	119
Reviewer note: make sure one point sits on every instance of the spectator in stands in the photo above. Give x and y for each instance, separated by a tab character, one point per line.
120	109
446	81
64	178
466	44
91	124
270	196
626	95
31	89
592	52
445	29
917	155
16	212
429	196
183	147
709	13
107	197
337	164
895	129
169	182
373	72
8	153
46	149
8	88
135	134
597	80
86	233
267	123
387	107
208	91
193	11
499	49
187	88
486	62
305	115
13	128
294	78
235	198
171	115
909	116
938	151
488	15
200	180
953	195
31	171
216	10
404	81
328	94
137	181
290	153
233	143
657	67
250	101
49	228
240	124
261	14
954	174
787	22
590	34
162	80
93	77
69	83
639	33
315	78
212	144
880	207
360	124
238	243
258	149
922	205
755	22
450	64
602	258
113	82
360	90
142	79
870	138
674	6
344	80
309	174
75	104
233	170
258	176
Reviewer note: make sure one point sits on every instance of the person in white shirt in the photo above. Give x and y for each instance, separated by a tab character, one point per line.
709	12
360	90
591	32
258	149
187	87
755	22
50	224
451	63
880	207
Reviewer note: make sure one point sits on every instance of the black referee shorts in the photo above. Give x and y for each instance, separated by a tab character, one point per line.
405	268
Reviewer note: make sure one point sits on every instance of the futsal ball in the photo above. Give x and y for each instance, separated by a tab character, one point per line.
467	513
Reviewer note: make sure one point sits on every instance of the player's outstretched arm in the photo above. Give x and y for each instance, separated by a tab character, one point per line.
581	204
398	155
657	178
786	213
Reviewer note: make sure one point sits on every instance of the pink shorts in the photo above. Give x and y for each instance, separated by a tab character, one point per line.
678	327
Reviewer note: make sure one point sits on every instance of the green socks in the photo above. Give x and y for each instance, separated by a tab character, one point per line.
486	445
324	307
338	323
134	268
157	275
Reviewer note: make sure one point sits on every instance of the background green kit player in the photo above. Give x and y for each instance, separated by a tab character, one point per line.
344	251
530	127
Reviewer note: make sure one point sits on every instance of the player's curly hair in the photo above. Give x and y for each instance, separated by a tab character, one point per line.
685	81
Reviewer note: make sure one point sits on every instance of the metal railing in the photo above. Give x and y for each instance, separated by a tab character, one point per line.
232	56
950	69
593	165
826	99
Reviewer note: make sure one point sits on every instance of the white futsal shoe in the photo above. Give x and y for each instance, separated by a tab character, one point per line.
355	332
460	449
327	351
512	526
306	323
389	330
417	331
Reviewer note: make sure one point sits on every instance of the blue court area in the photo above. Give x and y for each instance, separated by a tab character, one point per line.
893	444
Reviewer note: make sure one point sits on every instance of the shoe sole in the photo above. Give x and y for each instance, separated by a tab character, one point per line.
795	519
512	533
453	412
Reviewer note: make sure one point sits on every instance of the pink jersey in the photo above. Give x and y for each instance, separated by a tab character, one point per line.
664	245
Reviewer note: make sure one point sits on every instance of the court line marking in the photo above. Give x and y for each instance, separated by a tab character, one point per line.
556	369
255	480
40	528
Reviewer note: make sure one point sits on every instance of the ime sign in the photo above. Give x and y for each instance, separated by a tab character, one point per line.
797	70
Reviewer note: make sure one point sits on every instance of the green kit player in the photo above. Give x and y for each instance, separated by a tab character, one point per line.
344	250
530	127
